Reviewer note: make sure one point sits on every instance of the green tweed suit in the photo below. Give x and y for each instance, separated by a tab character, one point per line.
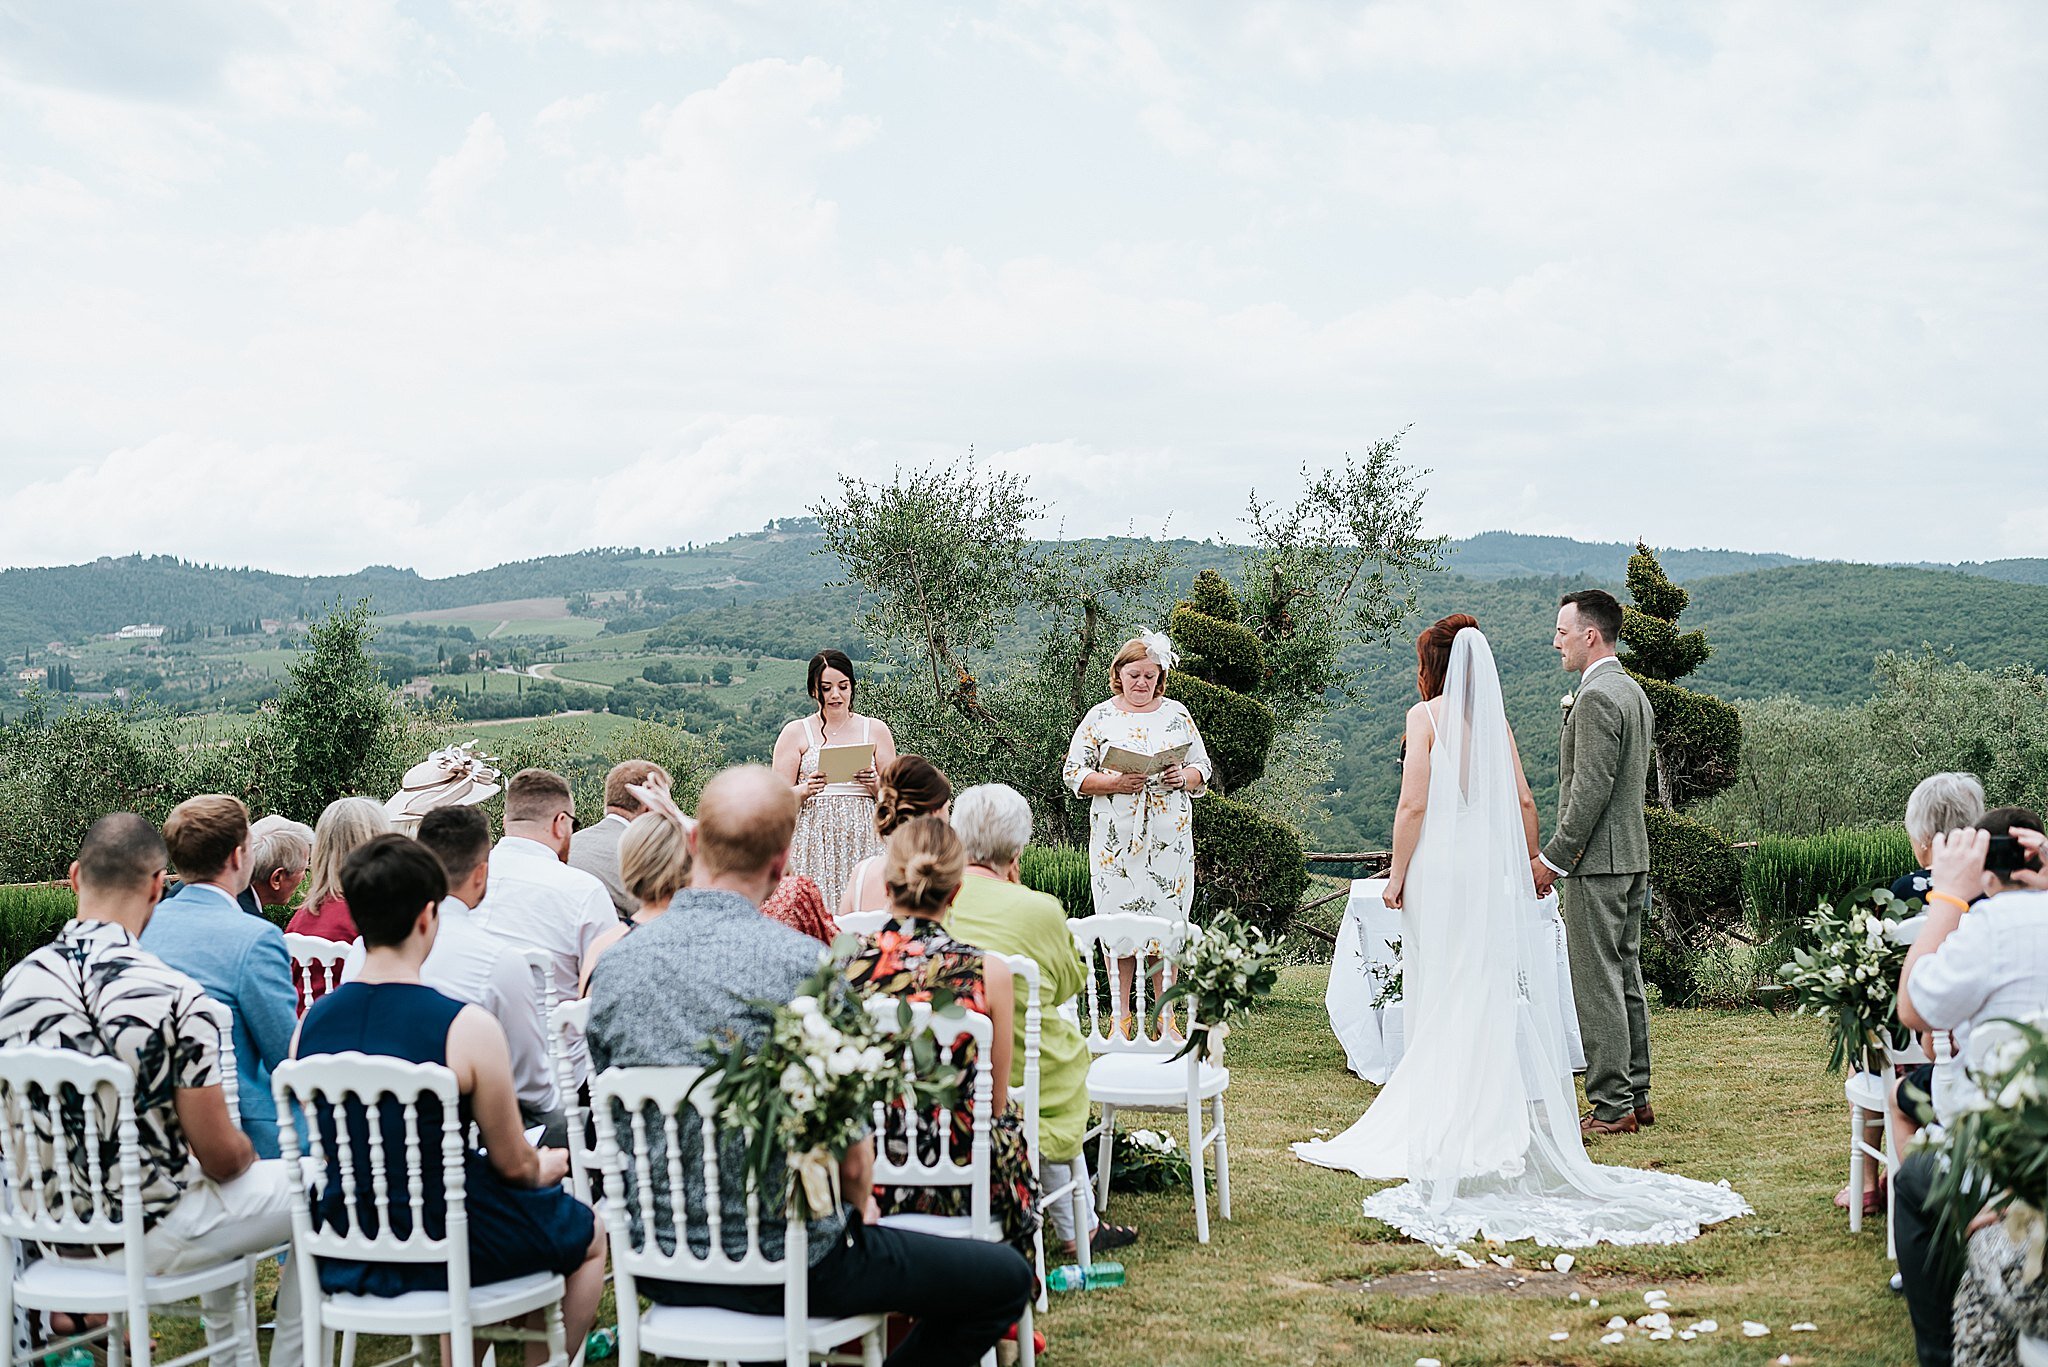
1603	851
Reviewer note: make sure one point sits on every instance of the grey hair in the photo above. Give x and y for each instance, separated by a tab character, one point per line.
993	821
1943	803
278	842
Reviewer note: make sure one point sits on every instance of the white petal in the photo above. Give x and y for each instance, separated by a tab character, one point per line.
1751	1329
1560	1336
1803	1328
1564	1262
1615	1337
1574	1297
1617	1323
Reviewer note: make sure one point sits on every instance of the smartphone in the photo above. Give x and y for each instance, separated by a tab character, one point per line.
2007	855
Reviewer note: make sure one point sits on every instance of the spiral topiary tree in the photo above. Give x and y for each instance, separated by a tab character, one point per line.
1245	861
1695	879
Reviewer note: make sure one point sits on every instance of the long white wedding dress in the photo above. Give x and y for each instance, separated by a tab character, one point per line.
1481	1117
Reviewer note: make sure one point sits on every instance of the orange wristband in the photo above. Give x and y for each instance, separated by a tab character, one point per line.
1949	897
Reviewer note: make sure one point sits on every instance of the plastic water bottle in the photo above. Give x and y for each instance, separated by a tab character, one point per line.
1099	1276
601	1344
77	1355
1103	1275
1065	1277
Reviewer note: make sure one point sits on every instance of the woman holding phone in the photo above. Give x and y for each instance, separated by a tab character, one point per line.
835	824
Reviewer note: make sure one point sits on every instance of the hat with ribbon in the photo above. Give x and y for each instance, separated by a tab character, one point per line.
657	799
456	776
1159	648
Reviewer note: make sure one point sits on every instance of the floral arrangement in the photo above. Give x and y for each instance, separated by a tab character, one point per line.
1851	977
1147	1160
1387	976
1221	969
810	1090
1997	1148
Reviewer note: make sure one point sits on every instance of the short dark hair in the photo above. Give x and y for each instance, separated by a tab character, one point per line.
1597	609
537	795
203	833
2006	820
387	881
121	852
460	837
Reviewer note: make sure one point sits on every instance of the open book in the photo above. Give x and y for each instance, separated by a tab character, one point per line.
839	763
1124	761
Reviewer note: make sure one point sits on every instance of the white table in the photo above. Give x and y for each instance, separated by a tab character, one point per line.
1372	1036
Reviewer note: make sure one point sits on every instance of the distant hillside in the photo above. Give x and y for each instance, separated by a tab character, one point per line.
1511	555
2013	571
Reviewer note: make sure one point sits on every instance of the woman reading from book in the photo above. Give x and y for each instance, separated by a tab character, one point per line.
833	760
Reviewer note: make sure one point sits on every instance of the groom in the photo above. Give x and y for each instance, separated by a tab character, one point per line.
1601	851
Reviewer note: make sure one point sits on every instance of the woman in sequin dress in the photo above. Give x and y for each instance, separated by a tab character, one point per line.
835	824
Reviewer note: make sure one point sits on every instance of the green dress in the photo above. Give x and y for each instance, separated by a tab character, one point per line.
1011	919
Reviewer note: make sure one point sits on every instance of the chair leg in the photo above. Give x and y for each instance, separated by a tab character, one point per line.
1222	1162
558	1337
871	1348
348	1348
243	1313
1102	1147
1078	1199
1027	1354
425	1351
117	1340
1196	1173
1856	1162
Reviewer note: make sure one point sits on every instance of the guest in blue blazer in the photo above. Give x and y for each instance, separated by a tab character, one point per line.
239	959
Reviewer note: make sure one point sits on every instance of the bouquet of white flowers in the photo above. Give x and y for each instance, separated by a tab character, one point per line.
1386	977
1851	976
1997	1148
1221	969
809	1092
1147	1160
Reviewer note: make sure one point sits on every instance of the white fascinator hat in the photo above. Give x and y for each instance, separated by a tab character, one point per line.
456	776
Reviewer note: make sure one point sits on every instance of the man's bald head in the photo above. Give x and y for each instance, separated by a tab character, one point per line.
745	818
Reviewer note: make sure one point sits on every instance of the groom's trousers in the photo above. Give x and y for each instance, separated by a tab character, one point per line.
1603	922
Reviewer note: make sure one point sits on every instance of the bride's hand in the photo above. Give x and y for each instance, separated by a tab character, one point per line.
1392	896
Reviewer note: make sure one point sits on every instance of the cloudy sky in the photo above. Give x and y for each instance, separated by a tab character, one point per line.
316	284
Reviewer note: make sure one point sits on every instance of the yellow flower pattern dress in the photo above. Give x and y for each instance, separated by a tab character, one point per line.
1141	846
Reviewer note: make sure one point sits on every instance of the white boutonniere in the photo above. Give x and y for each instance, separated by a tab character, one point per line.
1565	703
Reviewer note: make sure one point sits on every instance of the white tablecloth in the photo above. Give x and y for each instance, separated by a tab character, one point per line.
1373	1038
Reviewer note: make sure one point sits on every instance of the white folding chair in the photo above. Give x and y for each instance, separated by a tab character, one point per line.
330	1091
1024	970
2033	1352
1138	1072
862	922
655	1105
58	1190
567	1021
945	1168
316	966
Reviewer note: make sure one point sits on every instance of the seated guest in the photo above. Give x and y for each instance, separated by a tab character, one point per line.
1962	972
699	973
995	911
206	1197
654	862
909	786
916	953
595	849
280	852
346	825
521	1220
239	959
472	965
536	899
1940	803
798	904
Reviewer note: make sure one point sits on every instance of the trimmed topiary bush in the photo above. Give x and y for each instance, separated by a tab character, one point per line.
1247	863
1695	900
1698	737
1220	651
1238	730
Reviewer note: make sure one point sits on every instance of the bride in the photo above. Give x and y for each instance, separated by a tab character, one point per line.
1480	1116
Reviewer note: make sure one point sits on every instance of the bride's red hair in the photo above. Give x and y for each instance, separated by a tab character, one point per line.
1433	653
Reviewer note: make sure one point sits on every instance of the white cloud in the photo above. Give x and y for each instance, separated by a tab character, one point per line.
457	177
554	128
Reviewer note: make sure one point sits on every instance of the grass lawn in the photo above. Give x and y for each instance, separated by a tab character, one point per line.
771	675
598	728
1744	1096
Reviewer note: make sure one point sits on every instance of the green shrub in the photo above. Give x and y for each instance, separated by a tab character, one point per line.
1210	594
1695	900
30	916
1699	738
1237	730
1785	878
1247	863
1220	651
1062	871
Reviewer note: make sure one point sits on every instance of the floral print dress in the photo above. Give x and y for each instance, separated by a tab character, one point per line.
909	958
1141	846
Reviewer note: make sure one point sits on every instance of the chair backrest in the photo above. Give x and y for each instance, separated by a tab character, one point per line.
348	1102
1027	990
568	1021
230	1080
911	1132
665	1104
541	964
1106	944
68	1141
316	966
862	922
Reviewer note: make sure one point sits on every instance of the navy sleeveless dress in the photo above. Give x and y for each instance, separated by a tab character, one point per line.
513	1231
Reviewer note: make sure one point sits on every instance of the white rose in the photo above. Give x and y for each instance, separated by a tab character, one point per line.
804	1006
793	1079
872	1059
845	1059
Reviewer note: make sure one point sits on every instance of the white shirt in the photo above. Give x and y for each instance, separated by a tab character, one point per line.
1993	966
472	965
535	899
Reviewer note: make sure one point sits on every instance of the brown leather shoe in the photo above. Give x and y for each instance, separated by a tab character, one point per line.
1590	1124
1645	1117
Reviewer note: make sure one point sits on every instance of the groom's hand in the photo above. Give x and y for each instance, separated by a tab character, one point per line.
1544	876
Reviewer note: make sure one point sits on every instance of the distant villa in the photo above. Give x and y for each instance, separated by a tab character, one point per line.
139	632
